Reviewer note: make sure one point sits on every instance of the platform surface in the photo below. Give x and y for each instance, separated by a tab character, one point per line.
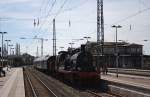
133	80
12	85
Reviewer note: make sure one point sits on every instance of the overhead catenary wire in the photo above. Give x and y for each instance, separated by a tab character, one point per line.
122	20
42	4
58	12
60	9
53	4
133	15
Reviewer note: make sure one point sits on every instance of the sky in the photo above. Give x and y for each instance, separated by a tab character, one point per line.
75	19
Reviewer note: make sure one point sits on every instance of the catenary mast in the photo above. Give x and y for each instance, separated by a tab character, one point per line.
100	34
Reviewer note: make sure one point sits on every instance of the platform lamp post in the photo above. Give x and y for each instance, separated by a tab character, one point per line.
2	33
11	62
145	40
12	51
7	45
116	49
77	40
10	46
87	38
61	48
42	41
7	50
71	44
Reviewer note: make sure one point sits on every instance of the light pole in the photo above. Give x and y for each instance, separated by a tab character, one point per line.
10	46
71	44
10	49
7	45
145	40
7	50
87	38
77	39
2	45
11	61
116	48
41	39
61	48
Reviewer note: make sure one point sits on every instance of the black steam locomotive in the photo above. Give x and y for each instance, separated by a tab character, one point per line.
75	67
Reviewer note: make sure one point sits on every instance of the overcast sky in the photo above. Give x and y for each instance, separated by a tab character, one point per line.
17	18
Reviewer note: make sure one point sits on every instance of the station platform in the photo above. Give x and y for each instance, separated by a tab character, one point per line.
138	85
12	85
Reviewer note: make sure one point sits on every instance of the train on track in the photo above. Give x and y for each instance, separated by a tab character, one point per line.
74	67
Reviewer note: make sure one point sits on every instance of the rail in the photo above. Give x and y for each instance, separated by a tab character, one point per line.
32	86
47	87
103	94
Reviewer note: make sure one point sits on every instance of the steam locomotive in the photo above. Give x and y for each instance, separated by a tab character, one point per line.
75	67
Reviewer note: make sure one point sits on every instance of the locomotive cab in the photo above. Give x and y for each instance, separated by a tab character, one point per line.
82	61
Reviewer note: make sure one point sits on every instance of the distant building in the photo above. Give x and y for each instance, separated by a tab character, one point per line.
21	60
130	54
146	62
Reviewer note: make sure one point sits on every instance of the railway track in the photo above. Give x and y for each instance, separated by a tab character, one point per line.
57	86
99	94
52	85
36	87
29	91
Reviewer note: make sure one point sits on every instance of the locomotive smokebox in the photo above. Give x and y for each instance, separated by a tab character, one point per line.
83	48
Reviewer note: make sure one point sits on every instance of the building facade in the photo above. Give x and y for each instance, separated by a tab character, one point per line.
130	55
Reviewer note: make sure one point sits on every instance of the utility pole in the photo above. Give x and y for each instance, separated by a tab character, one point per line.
7	45
100	33
10	46
54	38
37	53
42	46
19	49
87	38
7	51
2	45
54	44
71	45
41	39
100	22
61	48
116	48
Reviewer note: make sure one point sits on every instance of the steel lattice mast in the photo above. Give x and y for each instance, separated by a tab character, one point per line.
54	38
100	23
100	34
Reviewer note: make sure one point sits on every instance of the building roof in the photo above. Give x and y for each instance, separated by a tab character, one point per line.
43	58
114	43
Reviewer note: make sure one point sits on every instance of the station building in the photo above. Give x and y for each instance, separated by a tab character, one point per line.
146	62
130	55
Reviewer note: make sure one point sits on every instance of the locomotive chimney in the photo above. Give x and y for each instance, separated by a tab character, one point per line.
82	48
